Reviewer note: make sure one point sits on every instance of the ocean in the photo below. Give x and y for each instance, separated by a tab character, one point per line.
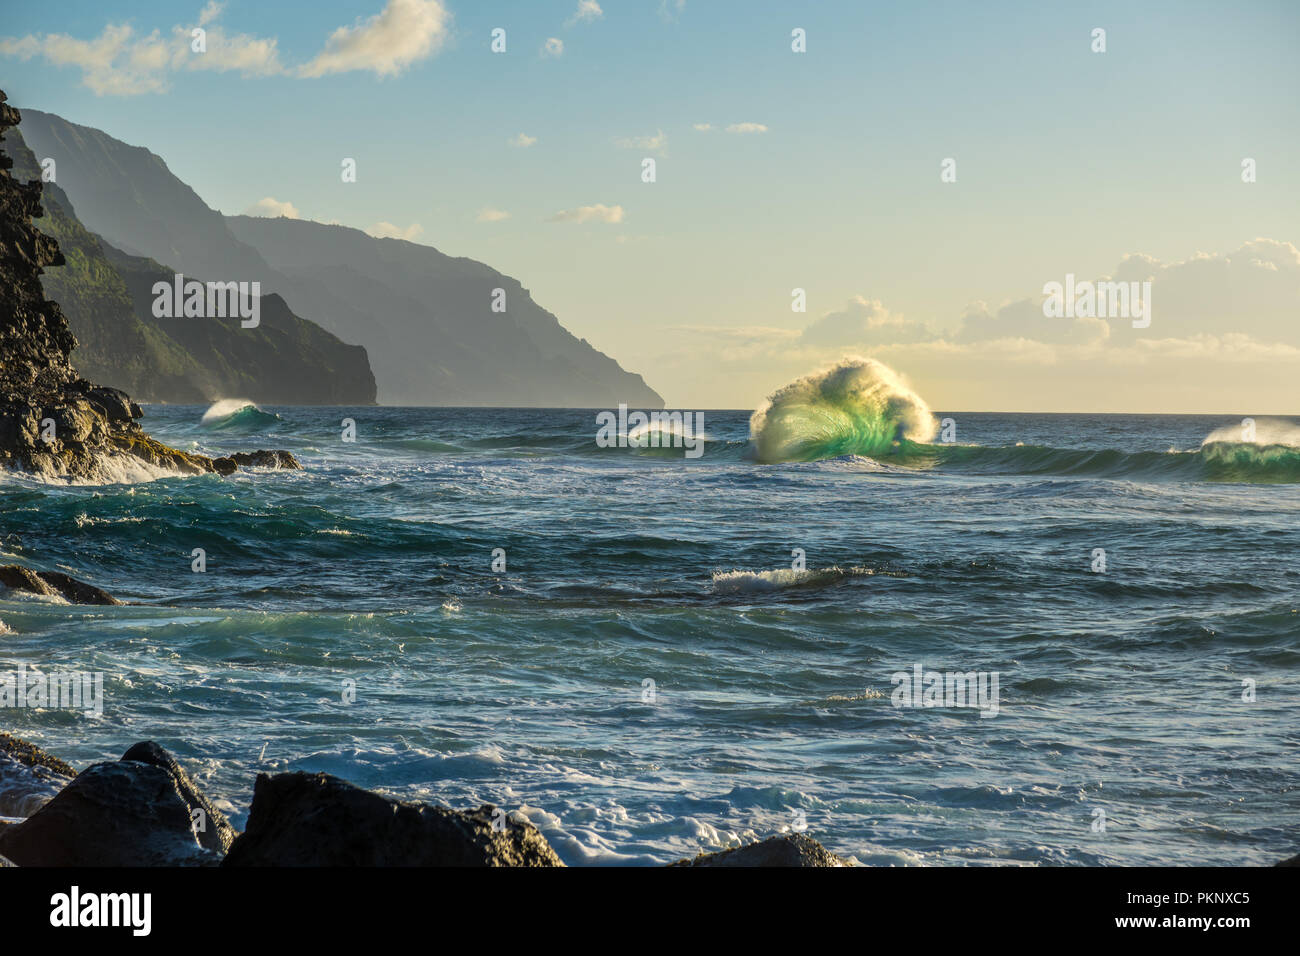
649	654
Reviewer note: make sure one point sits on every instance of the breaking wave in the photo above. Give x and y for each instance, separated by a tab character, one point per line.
237	413
856	407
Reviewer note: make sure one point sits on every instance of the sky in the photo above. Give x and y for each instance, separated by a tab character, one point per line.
775	170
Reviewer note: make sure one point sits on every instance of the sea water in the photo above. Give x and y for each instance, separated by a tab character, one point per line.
649	655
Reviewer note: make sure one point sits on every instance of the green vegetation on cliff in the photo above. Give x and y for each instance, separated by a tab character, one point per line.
106	296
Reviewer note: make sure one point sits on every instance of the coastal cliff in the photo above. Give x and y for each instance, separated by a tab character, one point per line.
54	422
106	295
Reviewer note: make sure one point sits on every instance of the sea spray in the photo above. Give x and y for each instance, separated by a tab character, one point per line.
856	407
236	413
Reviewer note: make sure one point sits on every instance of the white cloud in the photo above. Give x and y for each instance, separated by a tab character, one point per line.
553	47
671	9
864	322
702	127
210	12
588	10
250	55
746	128
522	141
658	143
386	230
403	33
272	208
597	213
120	62
492	215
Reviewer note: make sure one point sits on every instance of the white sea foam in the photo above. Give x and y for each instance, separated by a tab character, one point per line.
759	582
1266	431
109	470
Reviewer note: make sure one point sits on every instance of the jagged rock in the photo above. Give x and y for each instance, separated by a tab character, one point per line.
28	754
793	849
136	812
305	819
56	583
28	776
257	459
213	830
1293	861
52	421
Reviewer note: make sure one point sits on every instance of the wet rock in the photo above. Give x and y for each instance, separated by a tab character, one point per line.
791	849
29	755
113	403
1293	861
53	583
212	828
256	459
305	819
29	776
137	812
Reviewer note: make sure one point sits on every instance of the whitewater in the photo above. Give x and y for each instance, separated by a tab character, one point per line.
498	589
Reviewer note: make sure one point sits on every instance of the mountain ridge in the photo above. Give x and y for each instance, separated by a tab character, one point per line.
425	318
106	295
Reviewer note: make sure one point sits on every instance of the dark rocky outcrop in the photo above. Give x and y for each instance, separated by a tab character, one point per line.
213	830
135	812
792	849
305	819
53	422
53	583
28	776
1292	861
256	459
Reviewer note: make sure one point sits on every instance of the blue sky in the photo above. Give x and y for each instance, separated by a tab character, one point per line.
1067	160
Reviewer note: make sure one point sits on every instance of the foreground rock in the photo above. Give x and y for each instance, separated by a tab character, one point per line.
793	849
305	819
53	584
53	422
29	776
143	810
1293	861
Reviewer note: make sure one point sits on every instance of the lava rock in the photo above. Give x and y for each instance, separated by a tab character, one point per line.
305	819
793	849
130	813
212	828
29	777
53	583
256	459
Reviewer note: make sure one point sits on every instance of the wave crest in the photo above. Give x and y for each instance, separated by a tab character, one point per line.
236	413
858	406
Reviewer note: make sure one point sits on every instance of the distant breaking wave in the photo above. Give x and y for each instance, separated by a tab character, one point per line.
761	582
861	409
856	407
236	413
1214	461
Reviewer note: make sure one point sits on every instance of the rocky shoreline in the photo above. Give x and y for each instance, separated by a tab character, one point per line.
146	810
